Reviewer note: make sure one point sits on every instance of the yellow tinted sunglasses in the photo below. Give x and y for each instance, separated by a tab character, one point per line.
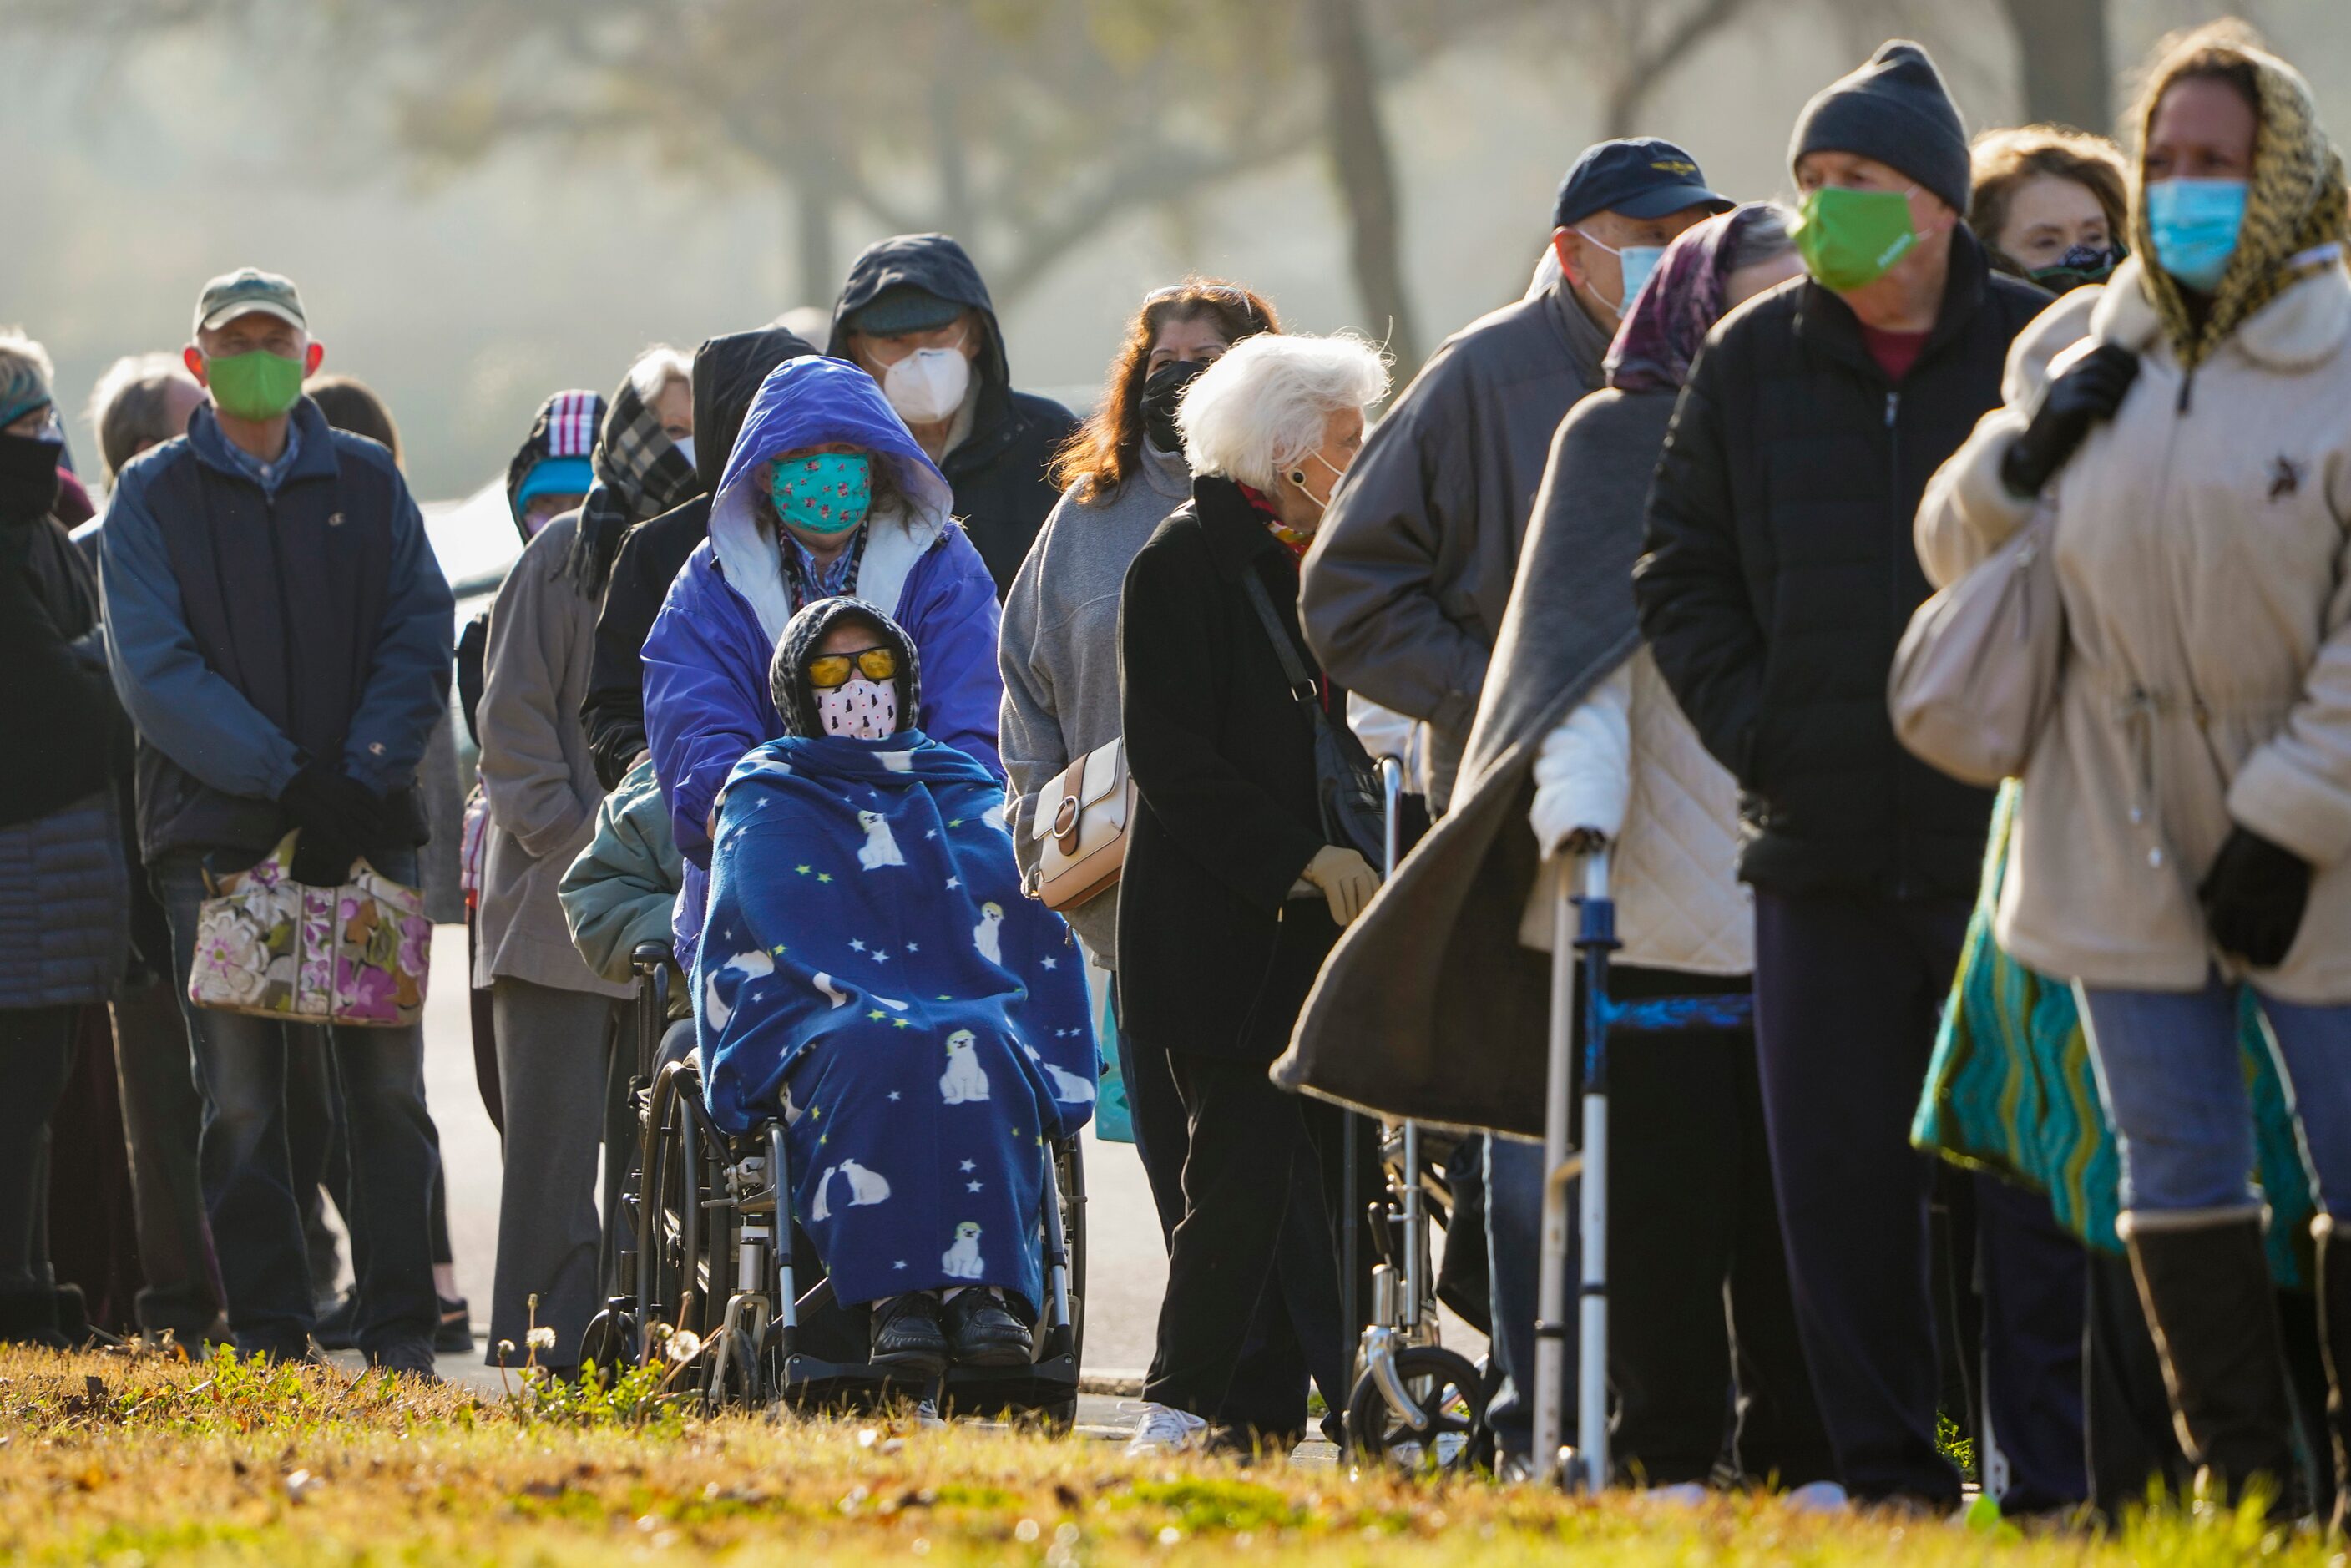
827	671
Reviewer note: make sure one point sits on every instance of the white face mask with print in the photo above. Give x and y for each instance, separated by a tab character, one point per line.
928	385
860	709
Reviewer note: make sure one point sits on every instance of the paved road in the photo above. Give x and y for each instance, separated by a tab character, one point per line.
1127	1267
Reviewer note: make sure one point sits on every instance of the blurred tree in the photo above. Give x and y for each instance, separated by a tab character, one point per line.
2065	61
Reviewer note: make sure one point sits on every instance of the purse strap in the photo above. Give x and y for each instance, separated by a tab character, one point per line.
1303	687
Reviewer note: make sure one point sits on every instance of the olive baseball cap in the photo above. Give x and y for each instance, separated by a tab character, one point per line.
245	291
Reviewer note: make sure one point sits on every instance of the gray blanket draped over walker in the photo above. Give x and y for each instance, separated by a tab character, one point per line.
1428	1007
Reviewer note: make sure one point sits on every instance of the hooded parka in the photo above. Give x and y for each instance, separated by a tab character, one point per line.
1002	492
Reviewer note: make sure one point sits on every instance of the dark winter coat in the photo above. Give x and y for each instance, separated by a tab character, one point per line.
64	892
726	376
1780	574
1215	954
1001	492
251	630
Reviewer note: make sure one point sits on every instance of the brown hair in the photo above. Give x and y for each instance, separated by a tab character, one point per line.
2213	52
353	406
1103	451
2005	162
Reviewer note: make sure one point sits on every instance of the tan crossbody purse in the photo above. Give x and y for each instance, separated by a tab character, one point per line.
1081	825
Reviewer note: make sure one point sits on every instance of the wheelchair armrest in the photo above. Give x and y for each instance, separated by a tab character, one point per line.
648	955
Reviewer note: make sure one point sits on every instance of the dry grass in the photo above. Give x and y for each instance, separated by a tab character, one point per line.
143	1460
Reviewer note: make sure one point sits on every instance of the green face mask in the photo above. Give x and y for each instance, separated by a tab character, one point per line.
1850	239
259	385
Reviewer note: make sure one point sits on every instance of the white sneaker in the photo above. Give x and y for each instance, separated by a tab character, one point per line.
1819	1497
1162	1428
1682	1494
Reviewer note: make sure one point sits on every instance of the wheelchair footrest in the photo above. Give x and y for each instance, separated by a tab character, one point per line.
1049	1385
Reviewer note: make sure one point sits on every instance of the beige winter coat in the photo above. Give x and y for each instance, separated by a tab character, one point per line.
537	773
2205	562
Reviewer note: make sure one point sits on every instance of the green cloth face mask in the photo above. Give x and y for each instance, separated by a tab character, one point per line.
1850	239
259	385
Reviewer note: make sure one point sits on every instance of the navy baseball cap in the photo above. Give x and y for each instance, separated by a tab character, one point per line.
1640	177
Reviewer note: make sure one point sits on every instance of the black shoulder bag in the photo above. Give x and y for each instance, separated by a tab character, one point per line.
1347	783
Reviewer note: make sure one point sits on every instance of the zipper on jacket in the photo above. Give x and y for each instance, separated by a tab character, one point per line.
2186	386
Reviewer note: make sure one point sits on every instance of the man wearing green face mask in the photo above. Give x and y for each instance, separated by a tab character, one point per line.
280	632
1780	575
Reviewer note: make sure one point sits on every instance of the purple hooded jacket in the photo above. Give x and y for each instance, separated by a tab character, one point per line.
706	658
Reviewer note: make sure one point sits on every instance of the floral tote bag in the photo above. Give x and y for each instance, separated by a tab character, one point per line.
268	946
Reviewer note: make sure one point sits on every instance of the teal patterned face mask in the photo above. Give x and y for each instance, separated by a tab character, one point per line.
824	492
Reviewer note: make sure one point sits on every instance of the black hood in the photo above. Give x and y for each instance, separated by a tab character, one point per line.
788	675
936	265
726	376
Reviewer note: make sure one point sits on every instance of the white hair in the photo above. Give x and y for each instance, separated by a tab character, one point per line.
656	368
1264	403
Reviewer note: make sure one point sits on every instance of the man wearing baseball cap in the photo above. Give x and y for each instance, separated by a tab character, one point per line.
1404	587
1403	590
1780	575
279	631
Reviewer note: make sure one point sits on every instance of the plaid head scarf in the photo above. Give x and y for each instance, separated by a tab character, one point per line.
2294	208
640	475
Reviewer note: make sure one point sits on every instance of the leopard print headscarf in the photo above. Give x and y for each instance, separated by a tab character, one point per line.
2295	201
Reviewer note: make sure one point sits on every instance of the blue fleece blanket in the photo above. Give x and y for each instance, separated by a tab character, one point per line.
871	970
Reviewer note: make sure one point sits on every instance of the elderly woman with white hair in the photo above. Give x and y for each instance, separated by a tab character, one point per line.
1232	893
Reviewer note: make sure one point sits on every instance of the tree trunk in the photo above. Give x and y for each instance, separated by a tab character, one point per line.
2066	62
813	235
1366	176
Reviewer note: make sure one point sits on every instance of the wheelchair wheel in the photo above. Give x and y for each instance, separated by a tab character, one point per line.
1445	1387
675	1264
610	1342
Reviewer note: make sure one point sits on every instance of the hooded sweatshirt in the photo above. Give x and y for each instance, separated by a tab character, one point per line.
707	659
1001	492
727	375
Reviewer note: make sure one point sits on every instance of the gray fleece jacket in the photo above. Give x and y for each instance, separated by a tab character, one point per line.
1058	650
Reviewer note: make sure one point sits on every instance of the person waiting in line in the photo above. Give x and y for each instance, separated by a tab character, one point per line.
1232	893
2050	205
826	495
2179	844
871	972
64	888
1778	577
561	1029
276	688
914	314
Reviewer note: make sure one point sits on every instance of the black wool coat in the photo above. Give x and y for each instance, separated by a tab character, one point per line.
1215	957
1780	575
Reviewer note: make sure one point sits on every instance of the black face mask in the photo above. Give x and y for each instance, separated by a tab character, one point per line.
28	478
1161	393
2082	264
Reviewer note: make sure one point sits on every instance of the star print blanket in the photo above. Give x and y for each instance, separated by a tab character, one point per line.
871	970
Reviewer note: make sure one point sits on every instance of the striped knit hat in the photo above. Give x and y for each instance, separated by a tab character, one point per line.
563	434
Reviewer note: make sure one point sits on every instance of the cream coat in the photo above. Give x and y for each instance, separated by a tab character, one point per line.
2205	562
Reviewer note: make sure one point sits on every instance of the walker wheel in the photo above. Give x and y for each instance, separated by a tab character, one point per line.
1448	1390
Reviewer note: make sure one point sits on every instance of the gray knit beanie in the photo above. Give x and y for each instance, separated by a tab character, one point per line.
1897	110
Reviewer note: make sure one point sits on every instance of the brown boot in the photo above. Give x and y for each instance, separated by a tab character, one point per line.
2204	1284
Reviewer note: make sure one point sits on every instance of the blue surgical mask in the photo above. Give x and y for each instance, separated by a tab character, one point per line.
1635	262
2194	223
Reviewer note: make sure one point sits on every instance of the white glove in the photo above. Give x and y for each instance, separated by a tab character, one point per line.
1345	879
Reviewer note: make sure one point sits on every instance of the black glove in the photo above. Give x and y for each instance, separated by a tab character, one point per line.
339	816
2090	389
2254	897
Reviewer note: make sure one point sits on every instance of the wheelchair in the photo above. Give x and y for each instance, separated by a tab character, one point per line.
707	1247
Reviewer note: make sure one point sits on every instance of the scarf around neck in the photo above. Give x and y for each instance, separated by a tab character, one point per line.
640	475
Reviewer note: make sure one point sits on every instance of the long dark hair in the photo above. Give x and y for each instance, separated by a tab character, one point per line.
1105	449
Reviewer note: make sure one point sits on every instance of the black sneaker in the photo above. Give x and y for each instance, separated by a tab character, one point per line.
455	1334
908	1342
339	1327
984	1330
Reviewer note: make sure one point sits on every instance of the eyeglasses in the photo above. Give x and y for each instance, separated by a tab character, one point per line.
827	671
